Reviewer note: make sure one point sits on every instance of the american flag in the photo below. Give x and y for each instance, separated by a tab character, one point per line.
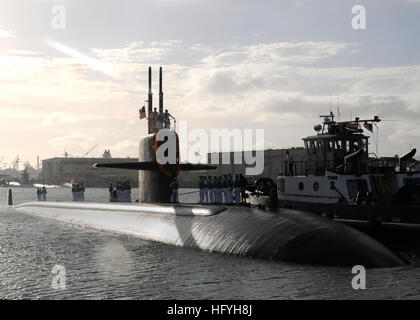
142	113
368	126
352	126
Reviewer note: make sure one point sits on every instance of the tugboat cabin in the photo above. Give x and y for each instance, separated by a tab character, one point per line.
338	146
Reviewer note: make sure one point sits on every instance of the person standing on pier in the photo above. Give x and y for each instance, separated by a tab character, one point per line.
44	193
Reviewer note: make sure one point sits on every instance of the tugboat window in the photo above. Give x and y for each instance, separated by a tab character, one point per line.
330	145
316	186
301	186
348	146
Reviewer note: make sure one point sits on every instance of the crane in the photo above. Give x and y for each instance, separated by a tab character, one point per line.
15	163
90	150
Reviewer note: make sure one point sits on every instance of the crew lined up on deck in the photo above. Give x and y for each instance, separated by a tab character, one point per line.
121	192
226	189
174	185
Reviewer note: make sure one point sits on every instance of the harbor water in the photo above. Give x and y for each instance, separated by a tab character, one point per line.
105	265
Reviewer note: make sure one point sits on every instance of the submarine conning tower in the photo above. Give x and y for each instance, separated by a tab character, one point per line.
153	185
157	172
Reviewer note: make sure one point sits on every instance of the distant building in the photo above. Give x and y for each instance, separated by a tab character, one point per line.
273	165
60	170
107	154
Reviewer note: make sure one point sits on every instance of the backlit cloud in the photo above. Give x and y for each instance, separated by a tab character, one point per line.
59	118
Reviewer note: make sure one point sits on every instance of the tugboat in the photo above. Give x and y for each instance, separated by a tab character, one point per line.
339	179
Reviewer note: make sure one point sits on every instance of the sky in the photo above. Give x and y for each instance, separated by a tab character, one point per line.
69	84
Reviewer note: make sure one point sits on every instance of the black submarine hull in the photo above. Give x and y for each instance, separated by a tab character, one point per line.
288	235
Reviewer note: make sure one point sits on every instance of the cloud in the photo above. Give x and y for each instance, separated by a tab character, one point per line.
406	135
126	146
14	52
80	57
137	52
279	52
76	140
6	33
59	118
277	86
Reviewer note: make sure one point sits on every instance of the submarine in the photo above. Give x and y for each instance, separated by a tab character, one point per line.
286	235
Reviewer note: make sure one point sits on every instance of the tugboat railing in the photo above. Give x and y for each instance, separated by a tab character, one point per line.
318	168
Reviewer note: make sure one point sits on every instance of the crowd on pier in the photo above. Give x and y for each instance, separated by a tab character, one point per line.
78	191
41	194
121	192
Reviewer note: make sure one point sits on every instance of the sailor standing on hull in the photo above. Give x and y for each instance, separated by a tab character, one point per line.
225	190
206	190
237	189
243	184
211	189
174	185
201	187
166	120
216	189
230	188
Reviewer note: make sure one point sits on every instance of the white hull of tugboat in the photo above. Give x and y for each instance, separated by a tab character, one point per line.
317	189
335	188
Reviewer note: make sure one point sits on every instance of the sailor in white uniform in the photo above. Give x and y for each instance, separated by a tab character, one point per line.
211	189
225	189
206	190
230	188
201	187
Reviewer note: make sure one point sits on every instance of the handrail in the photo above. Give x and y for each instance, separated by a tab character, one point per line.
310	167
